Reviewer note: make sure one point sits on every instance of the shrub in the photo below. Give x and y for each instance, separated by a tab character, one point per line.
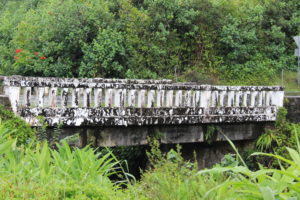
20	129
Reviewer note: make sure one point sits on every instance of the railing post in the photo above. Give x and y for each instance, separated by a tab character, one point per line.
87	98
151	99
245	98
41	95
178	98
237	98
268	98
64	97
52	96
97	97
169	101
14	96
221	98
205	98
131	98
230	98
277	98
187	99
214	98
141	98
160	98
27	96
196	98
75	97
253	97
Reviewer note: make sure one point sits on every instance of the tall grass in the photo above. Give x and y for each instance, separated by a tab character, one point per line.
40	172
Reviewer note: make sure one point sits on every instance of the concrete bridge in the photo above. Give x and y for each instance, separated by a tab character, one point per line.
124	112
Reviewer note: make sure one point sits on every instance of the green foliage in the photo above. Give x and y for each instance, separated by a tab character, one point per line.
43	173
208	41
20	129
276	140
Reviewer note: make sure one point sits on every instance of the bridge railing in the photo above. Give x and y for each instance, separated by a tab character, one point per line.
121	93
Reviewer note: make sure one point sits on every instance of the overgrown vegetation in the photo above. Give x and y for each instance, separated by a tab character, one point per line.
232	42
39	172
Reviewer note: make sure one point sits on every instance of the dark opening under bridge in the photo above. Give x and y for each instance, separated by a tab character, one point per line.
125	112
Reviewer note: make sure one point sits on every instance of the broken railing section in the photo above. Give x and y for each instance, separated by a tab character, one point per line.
97	93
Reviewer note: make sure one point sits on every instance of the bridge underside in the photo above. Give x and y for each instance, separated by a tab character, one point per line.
167	134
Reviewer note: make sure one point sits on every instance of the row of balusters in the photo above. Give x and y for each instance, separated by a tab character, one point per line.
96	97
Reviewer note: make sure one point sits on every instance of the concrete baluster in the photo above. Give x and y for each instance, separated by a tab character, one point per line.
230	98
41	95
263	98
27	96
97	97
52	96
141	98
87	98
131	98
252	98
108	98
14	96
259	99
268	98
205	98
178	98
221	98
169	100
187	98
160	98
64	97
245	98
151	99
237	98
196	99
117	98
122	98
75	97
214	98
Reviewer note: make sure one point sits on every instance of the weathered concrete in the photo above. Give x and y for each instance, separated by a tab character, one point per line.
120	112
167	134
120	102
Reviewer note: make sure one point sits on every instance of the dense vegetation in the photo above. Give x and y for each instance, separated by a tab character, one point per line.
30	169
39	172
235	41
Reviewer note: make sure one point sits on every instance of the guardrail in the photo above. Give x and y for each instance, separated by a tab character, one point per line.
27	93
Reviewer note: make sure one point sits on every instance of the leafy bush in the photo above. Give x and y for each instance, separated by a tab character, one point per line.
21	130
276	140
234	41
